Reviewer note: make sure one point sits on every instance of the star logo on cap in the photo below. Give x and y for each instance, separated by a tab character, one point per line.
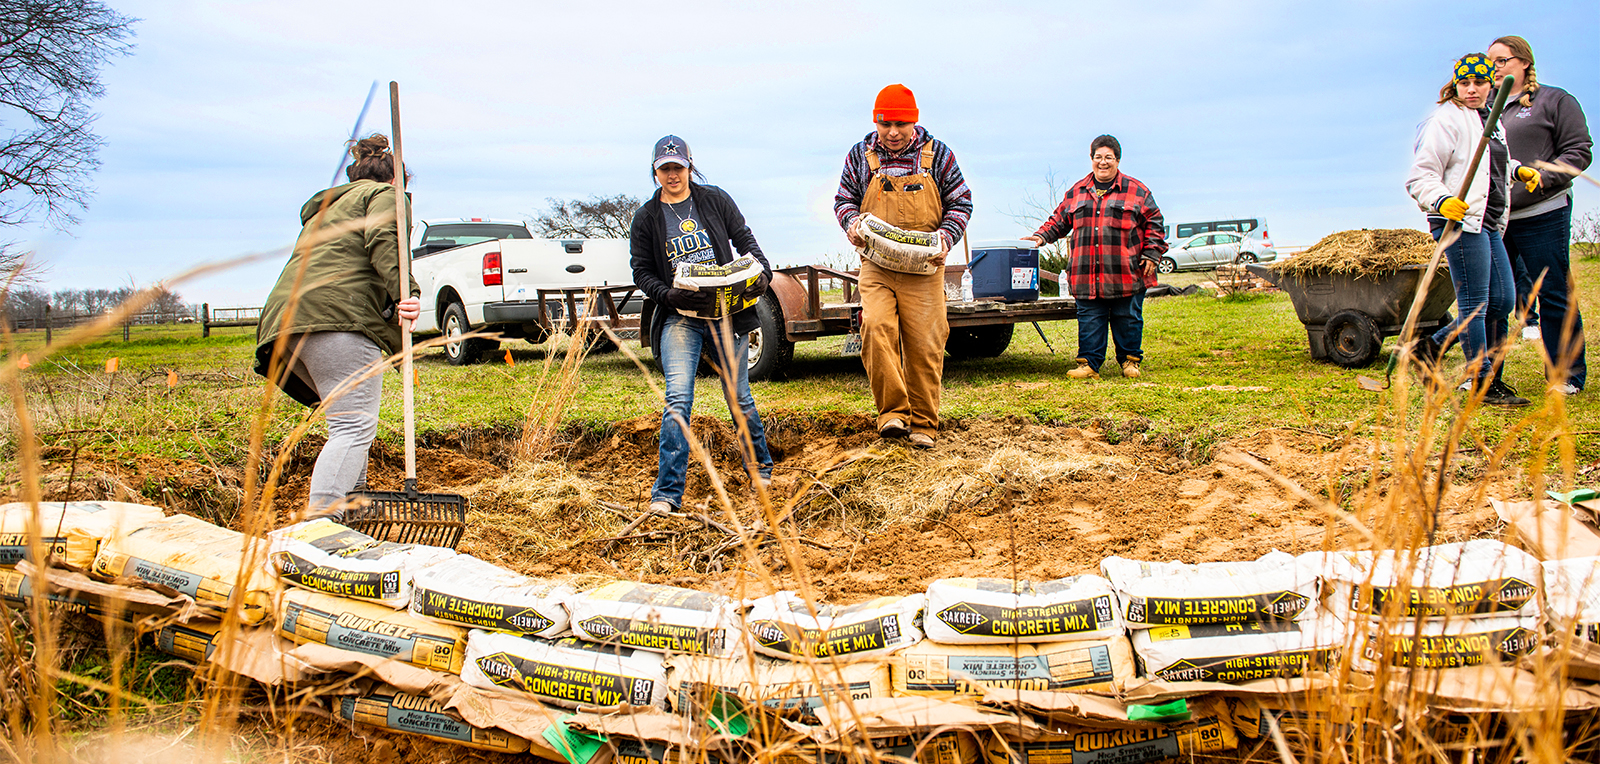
670	148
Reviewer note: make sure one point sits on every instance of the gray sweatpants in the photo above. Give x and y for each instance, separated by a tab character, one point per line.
324	360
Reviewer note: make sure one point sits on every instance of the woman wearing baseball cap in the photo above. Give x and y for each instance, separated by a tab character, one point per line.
689	222
1446	143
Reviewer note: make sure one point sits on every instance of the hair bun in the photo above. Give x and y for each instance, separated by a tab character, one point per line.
371	147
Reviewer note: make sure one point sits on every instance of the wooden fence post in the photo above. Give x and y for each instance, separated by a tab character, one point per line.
47	324
205	319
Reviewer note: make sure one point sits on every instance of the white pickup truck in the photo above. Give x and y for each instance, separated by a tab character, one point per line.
486	274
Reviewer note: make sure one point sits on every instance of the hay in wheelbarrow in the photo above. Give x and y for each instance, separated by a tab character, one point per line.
1364	253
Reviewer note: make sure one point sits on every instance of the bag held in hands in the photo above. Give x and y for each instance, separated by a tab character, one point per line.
896	248
732	286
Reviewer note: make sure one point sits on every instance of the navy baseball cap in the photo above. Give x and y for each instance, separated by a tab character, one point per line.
672	150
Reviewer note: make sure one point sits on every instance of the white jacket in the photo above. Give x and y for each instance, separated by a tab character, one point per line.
1445	143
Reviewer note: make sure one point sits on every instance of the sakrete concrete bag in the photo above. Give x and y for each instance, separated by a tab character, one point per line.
972	611
467	591
566	672
664	619
1274	587
896	248
1482	577
1572	596
371	628
1449	643
775	683
197	558
392	709
732	285
70	530
782	626
1240	652
929	668
325	556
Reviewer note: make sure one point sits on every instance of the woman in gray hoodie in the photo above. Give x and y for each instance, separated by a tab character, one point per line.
1544	124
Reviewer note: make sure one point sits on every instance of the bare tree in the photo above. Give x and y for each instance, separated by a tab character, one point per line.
51	52
598	217
1037	208
1586	235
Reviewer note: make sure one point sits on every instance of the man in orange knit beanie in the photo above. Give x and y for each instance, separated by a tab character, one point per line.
900	174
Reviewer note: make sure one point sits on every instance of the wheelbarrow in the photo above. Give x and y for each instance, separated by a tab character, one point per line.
1347	317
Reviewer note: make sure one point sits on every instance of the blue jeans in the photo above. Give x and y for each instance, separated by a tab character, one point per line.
1126	317
682	341
1484	294
1540	244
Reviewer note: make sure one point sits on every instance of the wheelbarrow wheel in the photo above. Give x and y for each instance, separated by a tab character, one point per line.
1353	339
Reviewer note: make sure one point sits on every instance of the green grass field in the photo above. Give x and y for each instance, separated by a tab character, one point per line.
1215	369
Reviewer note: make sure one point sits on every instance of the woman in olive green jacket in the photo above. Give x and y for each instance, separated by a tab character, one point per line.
339	316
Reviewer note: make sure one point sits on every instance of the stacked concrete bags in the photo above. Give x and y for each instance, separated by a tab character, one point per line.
217	567
1064	634
370	628
565	672
71	531
663	619
1227	621
325	556
467	591
1472	603
785	626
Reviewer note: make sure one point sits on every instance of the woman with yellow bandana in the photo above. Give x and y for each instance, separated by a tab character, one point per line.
1445	145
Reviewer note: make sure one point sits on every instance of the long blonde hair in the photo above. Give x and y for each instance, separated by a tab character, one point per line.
1521	49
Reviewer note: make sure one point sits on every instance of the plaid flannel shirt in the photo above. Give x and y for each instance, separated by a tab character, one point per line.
1111	237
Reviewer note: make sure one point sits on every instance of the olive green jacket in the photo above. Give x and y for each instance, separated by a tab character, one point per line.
351	281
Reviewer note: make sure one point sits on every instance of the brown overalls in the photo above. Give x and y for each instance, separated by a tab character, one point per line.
903	321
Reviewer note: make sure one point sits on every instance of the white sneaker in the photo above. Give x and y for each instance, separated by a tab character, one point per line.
1568	389
1531	333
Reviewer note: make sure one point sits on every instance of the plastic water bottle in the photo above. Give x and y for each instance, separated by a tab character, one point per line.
966	286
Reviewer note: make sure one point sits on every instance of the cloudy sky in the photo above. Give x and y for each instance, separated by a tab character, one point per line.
228	115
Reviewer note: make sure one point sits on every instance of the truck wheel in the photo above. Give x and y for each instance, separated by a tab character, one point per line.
1353	339
457	351
770	349
979	341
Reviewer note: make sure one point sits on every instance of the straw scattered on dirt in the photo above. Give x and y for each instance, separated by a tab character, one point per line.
1361	253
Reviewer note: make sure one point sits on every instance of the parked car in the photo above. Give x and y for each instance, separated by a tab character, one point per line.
1208	250
1255	226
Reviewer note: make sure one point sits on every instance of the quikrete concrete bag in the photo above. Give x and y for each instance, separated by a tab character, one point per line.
193	642
973	611
1276	587
1572	596
371	628
325	556
782	626
394	710
70	530
930	668
731	285
787	685
896	248
565	672
1449	643
1482	577
197	558
1239	652
664	619
1208	731
17	590
467	591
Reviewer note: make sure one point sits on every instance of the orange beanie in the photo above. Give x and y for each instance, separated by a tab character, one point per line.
895	104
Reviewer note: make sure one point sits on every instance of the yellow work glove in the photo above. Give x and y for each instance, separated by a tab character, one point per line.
1530	178
1453	208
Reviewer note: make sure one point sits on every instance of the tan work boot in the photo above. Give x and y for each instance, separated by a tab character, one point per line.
1084	371
1130	368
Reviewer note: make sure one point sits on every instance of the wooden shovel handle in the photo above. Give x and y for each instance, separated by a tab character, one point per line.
402	226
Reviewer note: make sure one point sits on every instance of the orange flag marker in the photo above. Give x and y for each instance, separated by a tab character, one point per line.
509	362
23	362
172	377
111	365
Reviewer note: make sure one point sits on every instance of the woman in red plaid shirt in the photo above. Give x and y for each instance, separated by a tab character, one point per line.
1117	239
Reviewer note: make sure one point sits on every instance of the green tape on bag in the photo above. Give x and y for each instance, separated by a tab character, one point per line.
577	747
1175	711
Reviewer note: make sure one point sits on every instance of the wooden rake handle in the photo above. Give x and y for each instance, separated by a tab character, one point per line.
402	228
